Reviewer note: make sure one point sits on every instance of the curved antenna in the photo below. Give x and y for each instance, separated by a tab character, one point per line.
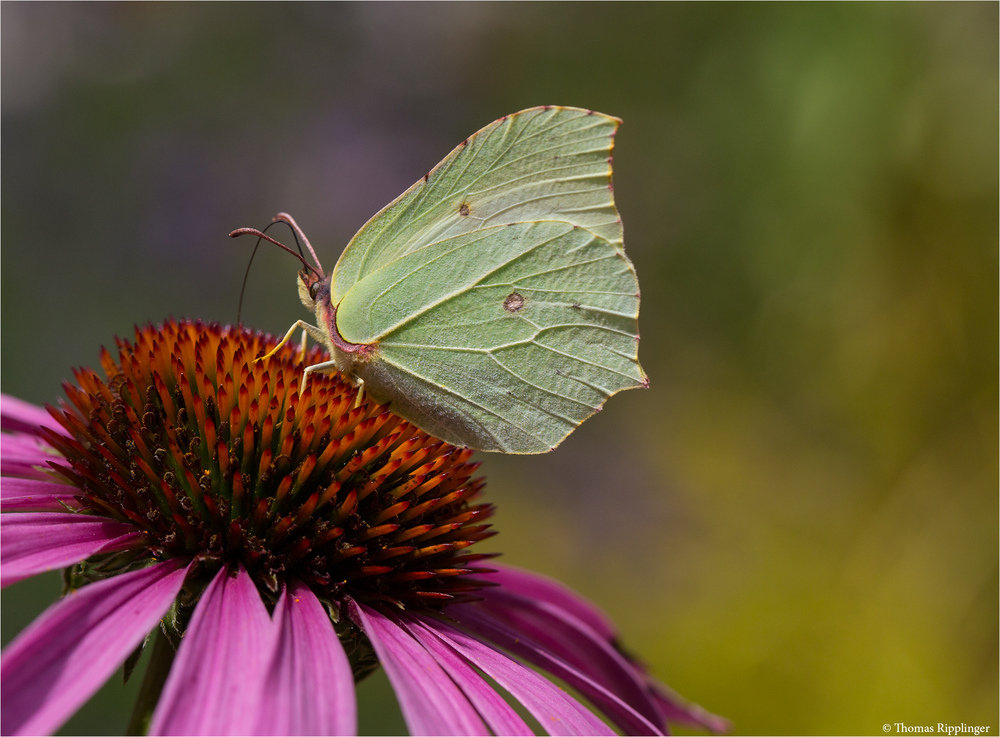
261	235
284	217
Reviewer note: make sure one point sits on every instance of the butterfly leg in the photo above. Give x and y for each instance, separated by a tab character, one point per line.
302	347
307	329
327	367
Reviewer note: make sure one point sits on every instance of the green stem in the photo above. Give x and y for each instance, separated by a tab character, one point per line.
152	684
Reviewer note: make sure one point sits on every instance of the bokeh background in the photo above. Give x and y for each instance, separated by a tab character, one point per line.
796	525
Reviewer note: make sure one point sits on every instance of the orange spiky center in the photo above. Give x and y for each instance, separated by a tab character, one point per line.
220	458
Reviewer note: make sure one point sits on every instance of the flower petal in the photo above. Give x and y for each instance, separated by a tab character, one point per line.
496	630
496	712
26	455
536	586
65	655
677	709
570	639
215	682
309	686
33	495
430	700
539	592
22	444
555	710
20	416
44	541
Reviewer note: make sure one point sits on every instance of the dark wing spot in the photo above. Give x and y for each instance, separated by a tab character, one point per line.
576	306
514	302
463	209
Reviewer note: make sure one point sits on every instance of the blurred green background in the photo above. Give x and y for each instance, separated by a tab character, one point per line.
796	525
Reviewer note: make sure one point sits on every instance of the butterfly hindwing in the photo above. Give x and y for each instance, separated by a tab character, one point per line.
505	338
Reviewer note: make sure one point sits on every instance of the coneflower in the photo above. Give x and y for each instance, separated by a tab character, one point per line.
272	548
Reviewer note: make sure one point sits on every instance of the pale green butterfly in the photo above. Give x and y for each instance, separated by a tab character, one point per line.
492	303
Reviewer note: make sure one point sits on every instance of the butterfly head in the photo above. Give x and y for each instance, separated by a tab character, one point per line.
314	288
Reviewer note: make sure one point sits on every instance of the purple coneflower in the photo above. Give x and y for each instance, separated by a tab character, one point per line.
272	549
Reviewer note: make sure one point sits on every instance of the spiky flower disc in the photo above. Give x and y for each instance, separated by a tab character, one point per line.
215	456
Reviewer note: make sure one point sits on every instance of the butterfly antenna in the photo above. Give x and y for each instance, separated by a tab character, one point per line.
261	235
284	217
243	287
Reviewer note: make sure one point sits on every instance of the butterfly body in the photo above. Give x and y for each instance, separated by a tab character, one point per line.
492	303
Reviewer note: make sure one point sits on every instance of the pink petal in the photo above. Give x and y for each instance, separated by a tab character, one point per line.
542	588
65	655
26	455
215	682
25	469
570	639
495	629
36	542
496	712
555	710
531	592
430	700
20	416
20	444
309	686
32	495
681	711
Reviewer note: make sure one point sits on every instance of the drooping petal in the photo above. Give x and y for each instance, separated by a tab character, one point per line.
20	416
430	700
33	495
542	588
496	712
309	686
13	445
494	629
678	709
555	710
65	655
561	633
536	592
35	542
25	455
215	682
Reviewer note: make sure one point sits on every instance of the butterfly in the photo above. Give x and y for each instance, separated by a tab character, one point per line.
491	304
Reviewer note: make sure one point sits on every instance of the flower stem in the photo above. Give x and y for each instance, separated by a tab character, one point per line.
152	684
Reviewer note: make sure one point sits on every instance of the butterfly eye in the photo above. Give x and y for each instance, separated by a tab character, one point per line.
314	289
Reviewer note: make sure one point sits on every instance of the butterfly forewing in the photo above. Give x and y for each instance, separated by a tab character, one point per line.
551	163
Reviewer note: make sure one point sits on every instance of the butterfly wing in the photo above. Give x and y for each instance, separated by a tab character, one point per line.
545	163
503	338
